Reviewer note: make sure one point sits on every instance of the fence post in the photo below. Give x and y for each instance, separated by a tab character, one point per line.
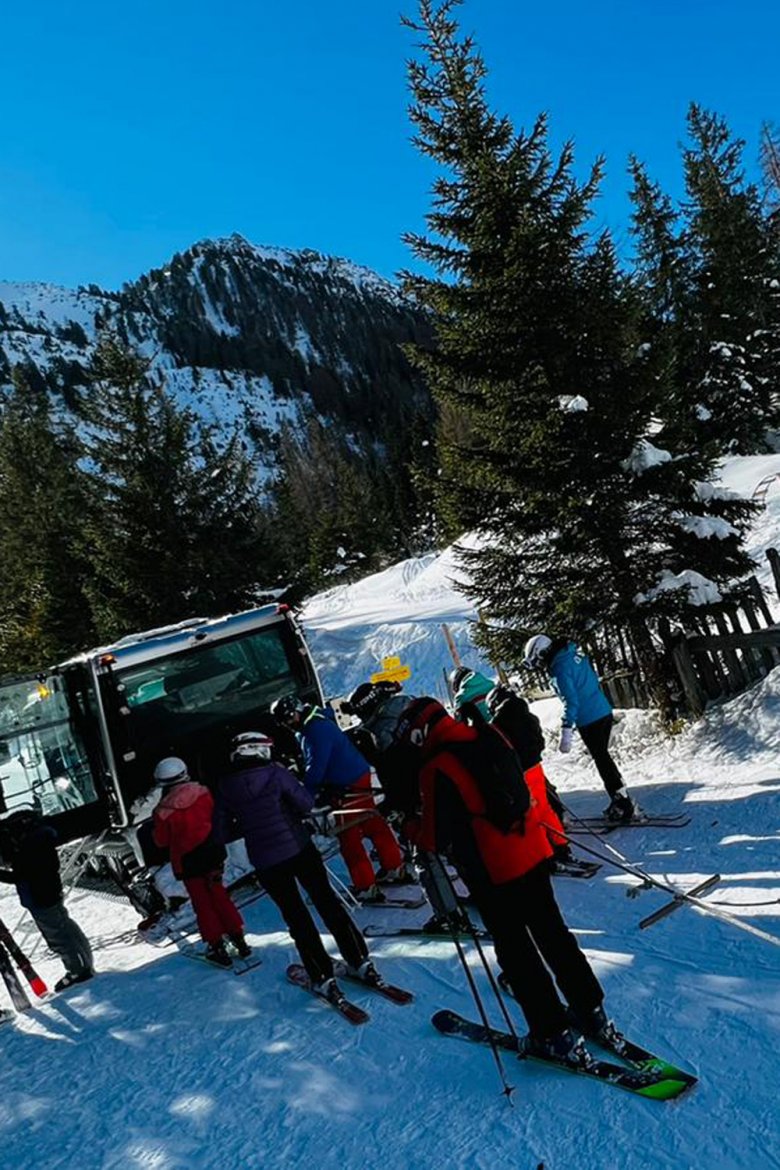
767	655
735	670
758	595
773	557
683	662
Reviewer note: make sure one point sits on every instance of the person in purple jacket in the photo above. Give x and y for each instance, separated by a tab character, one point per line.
270	808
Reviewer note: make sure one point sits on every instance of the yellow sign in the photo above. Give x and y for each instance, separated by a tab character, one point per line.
392	671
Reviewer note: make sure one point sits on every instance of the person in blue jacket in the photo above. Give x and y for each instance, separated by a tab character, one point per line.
586	707
336	773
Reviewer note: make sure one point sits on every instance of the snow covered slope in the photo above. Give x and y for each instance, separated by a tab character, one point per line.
400	611
163	1063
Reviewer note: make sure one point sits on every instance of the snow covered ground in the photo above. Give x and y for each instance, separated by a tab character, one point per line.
162	1063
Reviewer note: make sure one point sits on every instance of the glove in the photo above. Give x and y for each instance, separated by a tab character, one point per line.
567	735
322	821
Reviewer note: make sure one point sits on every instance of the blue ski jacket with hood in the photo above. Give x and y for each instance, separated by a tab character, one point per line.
576	683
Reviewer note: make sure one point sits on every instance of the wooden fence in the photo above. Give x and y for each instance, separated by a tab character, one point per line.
716	651
725	649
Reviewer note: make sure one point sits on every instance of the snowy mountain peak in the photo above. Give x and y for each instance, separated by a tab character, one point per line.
247	335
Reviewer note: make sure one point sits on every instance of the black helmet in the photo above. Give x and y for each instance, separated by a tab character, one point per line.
286	708
365	699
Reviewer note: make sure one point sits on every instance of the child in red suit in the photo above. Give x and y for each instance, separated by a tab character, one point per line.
182	824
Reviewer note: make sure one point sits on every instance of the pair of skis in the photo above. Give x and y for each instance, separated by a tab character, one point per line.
238	965
350	1011
602	827
642	1072
10	950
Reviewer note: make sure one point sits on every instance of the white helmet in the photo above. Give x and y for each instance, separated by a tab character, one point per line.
251	745
171	771
535	648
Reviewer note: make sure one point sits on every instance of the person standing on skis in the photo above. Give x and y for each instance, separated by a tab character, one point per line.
477	699
183	825
336	773
509	880
586	707
271	809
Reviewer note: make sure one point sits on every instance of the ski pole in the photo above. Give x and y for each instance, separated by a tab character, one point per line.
442	897
621	862
495	987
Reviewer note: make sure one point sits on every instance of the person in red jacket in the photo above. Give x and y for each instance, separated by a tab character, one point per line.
183	826
508	875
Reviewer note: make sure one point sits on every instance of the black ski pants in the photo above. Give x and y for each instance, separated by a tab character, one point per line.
595	736
530	936
281	882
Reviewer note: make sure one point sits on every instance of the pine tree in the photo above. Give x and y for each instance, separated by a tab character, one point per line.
332	512
44	616
541	348
173	527
715	283
674	349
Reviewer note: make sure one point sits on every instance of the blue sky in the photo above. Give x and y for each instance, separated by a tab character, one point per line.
130	130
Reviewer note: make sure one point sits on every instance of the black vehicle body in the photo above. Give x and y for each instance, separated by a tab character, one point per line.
79	743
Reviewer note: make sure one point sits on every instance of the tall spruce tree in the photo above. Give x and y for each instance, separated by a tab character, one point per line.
173	526
711	526
712	273
540	346
44	615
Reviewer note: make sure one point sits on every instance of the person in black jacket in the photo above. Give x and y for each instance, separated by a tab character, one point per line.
28	843
510	713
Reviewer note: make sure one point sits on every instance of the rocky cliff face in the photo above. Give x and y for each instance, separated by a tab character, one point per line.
247	336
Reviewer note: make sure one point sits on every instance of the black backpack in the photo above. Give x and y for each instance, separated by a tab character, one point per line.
495	766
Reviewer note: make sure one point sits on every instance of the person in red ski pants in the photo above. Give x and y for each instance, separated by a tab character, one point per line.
183	825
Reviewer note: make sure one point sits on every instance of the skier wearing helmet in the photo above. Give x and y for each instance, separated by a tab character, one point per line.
586	707
183	825
509	880
271	808
339	775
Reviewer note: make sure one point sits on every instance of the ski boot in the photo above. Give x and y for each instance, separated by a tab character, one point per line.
366	972
243	948
567	1047
561	855
70	978
441	924
395	877
370	896
596	1025
621	808
216	954
329	990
